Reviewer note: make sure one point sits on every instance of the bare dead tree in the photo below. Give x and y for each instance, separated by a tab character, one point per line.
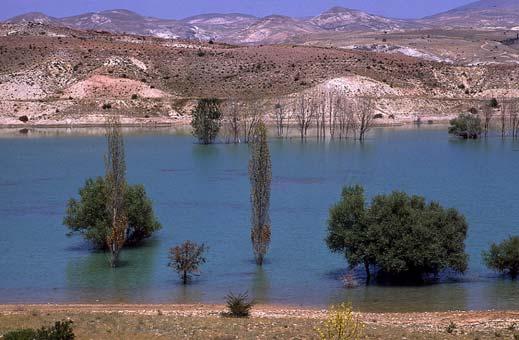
115	167
280	115
252	114
502	119
288	118
342	117
365	114
486	113
513	109
332	113
232	117
303	112
322	115
318	107
346	118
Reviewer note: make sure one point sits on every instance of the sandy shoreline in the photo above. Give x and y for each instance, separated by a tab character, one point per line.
422	321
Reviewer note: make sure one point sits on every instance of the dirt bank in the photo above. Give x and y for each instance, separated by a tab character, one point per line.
206	321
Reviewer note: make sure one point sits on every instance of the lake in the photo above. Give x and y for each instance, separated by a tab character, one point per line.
201	193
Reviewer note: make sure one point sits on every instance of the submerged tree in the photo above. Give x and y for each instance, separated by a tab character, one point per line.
89	215
486	114
206	120
504	257
347	229
400	236
260	173
115	174
187	258
365	113
466	126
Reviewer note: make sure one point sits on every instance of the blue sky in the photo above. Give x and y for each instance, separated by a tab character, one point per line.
176	9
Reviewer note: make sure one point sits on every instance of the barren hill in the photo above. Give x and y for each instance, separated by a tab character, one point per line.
344	19
55	75
479	14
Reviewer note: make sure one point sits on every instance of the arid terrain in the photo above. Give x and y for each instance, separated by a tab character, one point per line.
61	76
271	322
73	70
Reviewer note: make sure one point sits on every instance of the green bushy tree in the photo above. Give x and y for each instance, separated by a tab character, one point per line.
206	120
504	257
89	215
466	126
401	236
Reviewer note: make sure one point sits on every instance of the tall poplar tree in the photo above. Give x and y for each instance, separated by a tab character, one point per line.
115	167
260	173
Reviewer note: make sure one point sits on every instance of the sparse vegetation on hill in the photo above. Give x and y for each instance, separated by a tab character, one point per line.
77	71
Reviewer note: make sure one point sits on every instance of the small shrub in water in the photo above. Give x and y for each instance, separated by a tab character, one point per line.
239	305
341	324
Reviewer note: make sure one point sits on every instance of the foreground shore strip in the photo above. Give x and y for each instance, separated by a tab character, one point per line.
104	321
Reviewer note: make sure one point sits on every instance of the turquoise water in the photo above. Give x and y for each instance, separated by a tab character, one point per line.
201	193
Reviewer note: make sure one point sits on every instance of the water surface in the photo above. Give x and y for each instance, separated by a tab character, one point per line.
201	193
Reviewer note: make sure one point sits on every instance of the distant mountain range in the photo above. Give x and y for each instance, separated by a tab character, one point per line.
247	29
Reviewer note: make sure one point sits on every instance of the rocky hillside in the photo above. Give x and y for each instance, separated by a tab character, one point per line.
480	14
56	75
344	19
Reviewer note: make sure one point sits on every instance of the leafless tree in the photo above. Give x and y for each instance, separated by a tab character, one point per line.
502	118
513	109
486	113
346	117
281	116
332	113
304	111
321	114
252	115
365	114
115	166
233	115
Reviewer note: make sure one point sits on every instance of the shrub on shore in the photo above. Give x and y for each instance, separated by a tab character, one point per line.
89	216
341	324
239	305
504	257
61	330
401	236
